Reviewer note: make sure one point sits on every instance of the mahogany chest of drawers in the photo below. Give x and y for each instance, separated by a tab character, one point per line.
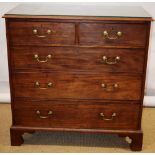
77	70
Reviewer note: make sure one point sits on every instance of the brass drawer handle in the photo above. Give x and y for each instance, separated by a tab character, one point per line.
110	88
107	119
107	60
49	84
106	35
36	56
48	114
35	32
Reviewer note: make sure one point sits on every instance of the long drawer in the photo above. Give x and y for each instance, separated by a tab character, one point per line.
78	59
37	33
80	86
126	35
69	114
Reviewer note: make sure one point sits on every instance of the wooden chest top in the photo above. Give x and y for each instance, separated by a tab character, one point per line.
78	11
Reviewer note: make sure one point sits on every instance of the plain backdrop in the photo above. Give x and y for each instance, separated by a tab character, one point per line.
149	7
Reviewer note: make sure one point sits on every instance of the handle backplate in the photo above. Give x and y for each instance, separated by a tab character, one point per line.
107	36
43	117
48	85
36	57
48	32
110	61
107	119
110	87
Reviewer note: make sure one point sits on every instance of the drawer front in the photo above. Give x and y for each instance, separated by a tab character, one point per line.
80	86
38	33
133	35
67	114
79	59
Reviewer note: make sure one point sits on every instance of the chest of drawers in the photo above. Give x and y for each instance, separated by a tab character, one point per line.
80	71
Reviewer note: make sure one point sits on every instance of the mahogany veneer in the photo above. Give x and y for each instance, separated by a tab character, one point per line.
76	71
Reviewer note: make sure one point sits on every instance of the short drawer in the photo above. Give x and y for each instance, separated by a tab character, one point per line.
81	59
81	86
69	114
130	35
38	33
